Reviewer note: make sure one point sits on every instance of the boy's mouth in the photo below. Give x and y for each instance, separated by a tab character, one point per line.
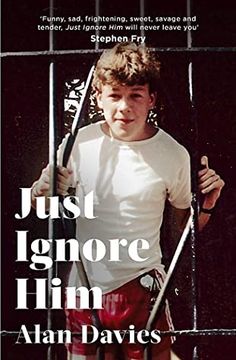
125	121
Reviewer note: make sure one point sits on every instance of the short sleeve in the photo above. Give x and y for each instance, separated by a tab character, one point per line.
179	193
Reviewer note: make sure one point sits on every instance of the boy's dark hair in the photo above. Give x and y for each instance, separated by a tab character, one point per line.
127	64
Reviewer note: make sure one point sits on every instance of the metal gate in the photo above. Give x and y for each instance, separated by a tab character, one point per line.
188	50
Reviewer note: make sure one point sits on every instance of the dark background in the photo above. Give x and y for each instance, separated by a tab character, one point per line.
25	152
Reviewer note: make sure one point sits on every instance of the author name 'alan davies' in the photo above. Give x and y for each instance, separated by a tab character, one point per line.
89	335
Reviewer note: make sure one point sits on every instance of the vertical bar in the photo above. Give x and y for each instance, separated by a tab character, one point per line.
189	33
148	349
142	7
51	33
52	164
100	355
97	12
194	196
195	159
52	272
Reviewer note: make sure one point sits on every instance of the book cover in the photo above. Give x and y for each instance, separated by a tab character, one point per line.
196	46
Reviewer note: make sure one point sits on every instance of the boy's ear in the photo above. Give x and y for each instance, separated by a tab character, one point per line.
98	95
153	99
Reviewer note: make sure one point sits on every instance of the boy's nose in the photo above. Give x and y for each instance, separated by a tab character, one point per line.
124	105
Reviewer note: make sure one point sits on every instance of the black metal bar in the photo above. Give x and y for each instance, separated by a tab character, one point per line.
195	197
142	9
170	271
52	272
160	297
77	122
97	51
193	225
97	32
79	117
184	332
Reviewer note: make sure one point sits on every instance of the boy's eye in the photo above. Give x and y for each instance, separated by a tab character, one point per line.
114	96
136	95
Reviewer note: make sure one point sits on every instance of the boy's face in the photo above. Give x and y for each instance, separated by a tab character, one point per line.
125	110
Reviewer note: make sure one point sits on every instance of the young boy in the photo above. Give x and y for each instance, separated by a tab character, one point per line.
131	167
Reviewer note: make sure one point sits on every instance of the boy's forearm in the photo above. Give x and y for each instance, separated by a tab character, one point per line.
203	219
205	213
181	217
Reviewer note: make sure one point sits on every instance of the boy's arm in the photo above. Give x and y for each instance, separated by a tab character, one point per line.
210	185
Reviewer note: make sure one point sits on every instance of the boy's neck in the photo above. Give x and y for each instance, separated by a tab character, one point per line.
148	133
